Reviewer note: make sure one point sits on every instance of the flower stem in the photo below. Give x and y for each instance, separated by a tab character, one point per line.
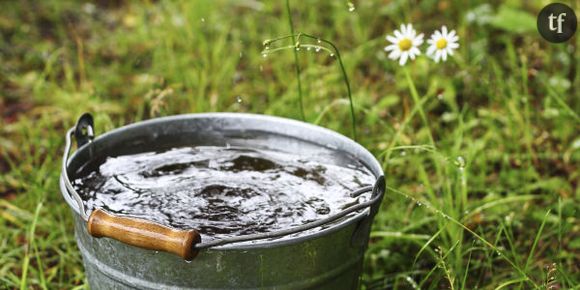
297	64
416	100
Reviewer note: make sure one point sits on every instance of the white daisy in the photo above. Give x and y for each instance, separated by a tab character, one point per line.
404	44
442	43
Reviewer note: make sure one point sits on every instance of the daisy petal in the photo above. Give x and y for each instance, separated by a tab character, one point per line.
392	39
431	49
415	51
390	47
394	54
418	40
403	58
397	34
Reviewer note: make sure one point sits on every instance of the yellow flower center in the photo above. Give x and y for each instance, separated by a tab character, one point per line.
441	43
405	44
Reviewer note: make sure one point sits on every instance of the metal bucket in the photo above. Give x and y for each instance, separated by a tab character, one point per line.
326	254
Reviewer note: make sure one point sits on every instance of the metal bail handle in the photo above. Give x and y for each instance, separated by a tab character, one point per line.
360	235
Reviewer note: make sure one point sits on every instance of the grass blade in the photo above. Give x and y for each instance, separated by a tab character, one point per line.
26	261
529	260
296	63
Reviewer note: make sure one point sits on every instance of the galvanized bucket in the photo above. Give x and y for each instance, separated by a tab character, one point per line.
325	254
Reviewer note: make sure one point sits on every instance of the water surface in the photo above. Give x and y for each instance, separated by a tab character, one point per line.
222	191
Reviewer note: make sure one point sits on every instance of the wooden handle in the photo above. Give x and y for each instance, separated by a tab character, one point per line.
143	234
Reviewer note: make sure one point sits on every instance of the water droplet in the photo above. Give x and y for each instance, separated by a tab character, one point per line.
412	282
317	49
178	21
319	41
403	153
460	161
239	99
188	261
264	55
308	48
267	47
202	19
332	55
351	7
419	203
89	8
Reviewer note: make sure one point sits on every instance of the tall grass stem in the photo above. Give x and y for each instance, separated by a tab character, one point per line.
417	102
296	63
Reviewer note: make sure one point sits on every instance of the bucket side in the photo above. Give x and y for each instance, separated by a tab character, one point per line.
328	262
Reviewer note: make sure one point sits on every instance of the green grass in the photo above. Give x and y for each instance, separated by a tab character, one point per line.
481	153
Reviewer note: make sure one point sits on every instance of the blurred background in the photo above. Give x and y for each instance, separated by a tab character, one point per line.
492	202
